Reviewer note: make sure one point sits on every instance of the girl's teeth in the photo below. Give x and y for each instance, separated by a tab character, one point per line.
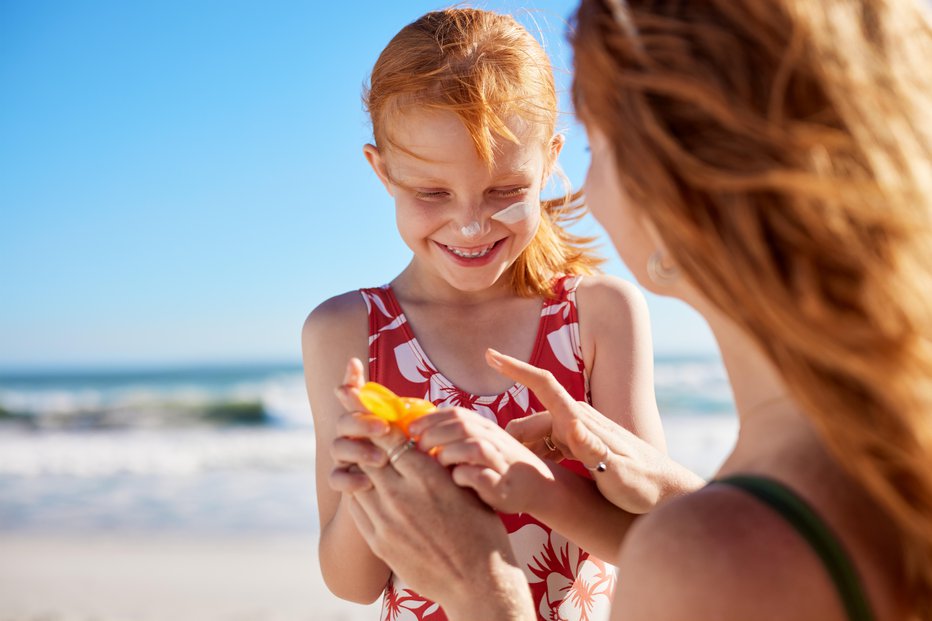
475	254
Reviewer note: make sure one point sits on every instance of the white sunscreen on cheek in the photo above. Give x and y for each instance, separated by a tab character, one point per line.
514	213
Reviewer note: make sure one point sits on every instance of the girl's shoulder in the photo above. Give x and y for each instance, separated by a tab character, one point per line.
338	310
336	322
601	294
721	554
607	304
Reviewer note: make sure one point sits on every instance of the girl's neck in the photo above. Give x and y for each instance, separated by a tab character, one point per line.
420	285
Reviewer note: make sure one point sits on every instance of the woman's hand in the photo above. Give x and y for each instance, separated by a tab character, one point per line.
633	475
483	457
436	536
439	538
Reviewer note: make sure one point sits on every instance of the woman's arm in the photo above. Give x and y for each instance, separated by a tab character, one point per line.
333	332
510	478
637	476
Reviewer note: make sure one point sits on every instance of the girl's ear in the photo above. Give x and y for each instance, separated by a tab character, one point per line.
378	166
556	145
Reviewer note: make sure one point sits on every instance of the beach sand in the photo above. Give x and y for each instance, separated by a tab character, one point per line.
166	578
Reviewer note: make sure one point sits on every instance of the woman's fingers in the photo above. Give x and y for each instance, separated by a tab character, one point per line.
586	447
410	463
540	381
362	520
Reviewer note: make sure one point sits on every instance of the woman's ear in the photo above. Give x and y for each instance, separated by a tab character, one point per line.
374	157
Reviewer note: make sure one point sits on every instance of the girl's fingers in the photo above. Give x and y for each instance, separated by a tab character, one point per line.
354	377
531	428
484	481
348	396
348	481
535	431
348	392
476	451
351	450
455	427
361	425
424	423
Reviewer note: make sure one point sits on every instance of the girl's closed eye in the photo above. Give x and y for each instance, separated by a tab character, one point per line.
511	192
431	195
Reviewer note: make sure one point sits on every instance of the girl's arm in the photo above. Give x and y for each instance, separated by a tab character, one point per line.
614	328
334	332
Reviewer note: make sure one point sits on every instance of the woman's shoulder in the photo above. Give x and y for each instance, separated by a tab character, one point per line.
720	554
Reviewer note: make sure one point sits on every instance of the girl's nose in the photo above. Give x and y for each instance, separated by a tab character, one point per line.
474	224
475	229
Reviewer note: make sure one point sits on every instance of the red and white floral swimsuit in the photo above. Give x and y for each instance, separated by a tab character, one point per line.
566	582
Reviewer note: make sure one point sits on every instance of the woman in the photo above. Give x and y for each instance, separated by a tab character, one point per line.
768	162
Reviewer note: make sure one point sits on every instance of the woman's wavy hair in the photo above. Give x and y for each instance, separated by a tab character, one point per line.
783	151
486	68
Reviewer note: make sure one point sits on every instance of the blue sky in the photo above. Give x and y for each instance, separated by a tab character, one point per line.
182	182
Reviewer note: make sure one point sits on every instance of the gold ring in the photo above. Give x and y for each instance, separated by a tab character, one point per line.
396	453
548	442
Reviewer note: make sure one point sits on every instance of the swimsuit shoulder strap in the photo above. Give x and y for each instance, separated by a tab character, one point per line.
817	534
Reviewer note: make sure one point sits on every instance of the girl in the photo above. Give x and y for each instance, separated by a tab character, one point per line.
463	109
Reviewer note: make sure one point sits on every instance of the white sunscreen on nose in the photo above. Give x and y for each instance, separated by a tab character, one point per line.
514	213
471	230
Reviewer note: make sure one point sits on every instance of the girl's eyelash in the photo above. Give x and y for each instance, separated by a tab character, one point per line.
502	193
438	194
513	191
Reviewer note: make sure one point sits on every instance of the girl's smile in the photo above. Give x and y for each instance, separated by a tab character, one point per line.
472	256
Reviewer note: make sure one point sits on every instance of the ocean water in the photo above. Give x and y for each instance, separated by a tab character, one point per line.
226	449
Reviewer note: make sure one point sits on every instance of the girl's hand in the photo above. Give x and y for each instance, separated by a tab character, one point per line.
506	474
633	475
355	429
535	431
